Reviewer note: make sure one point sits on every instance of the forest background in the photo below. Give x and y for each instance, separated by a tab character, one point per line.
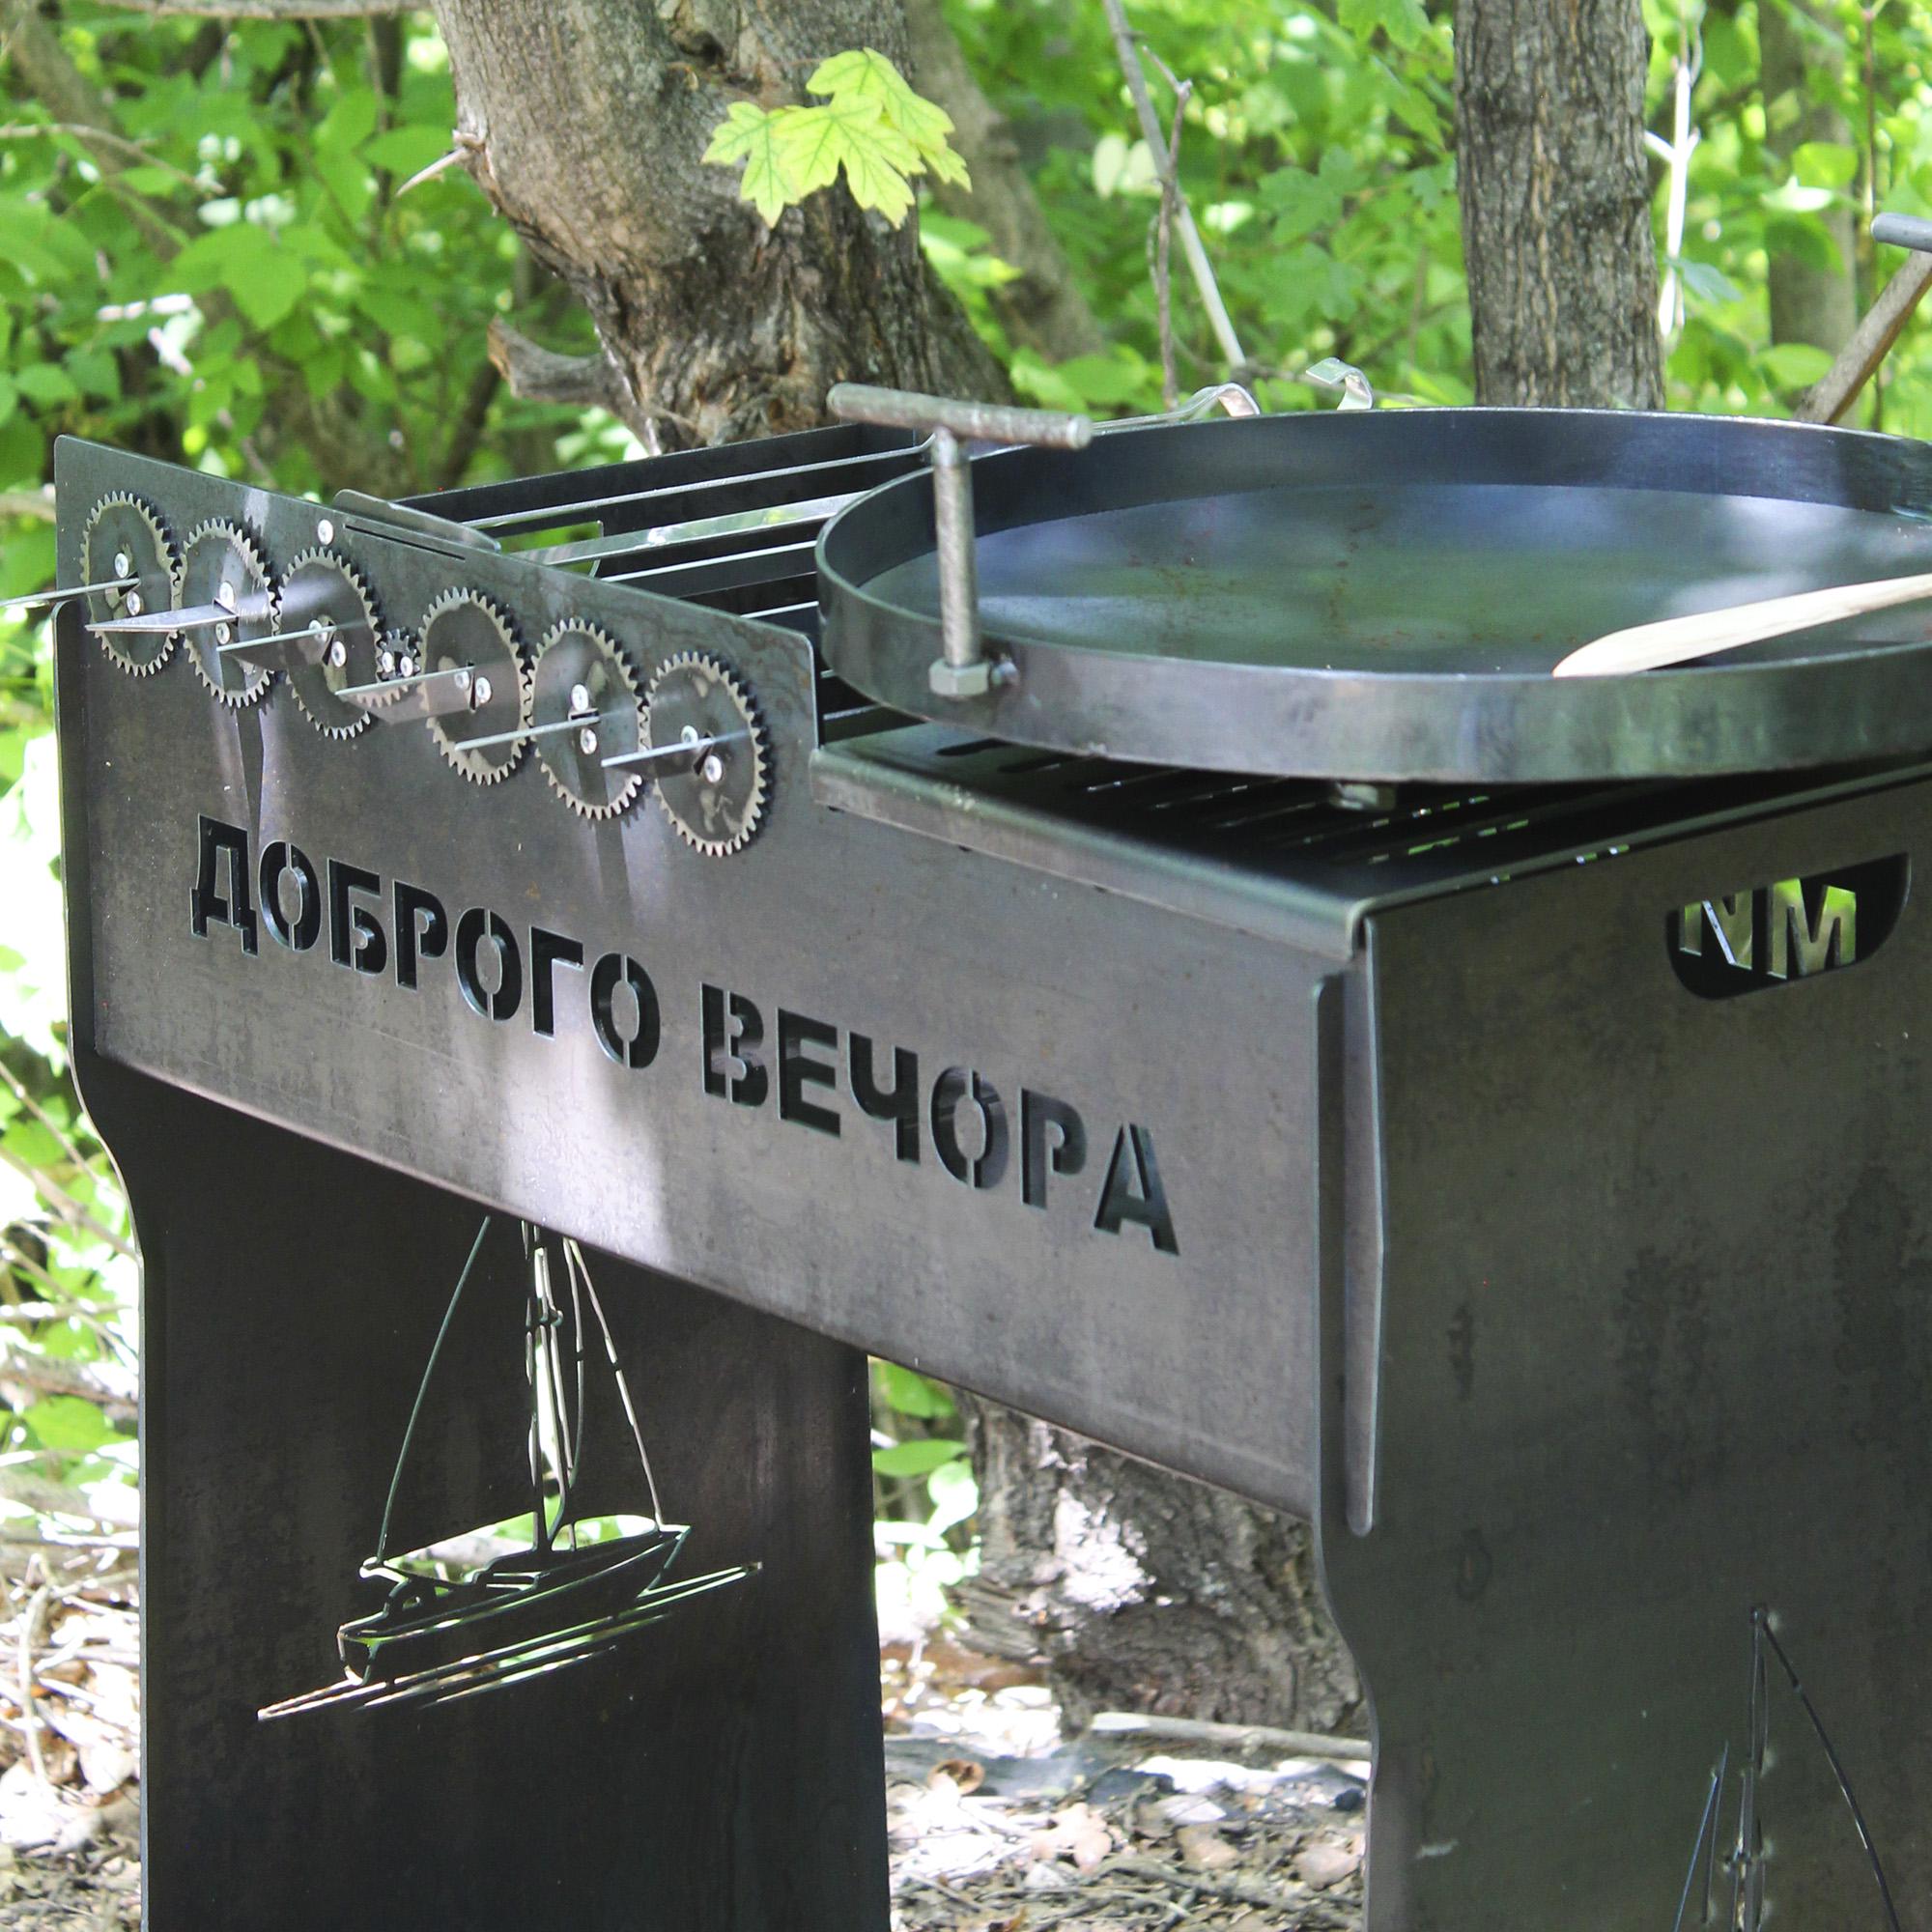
205	256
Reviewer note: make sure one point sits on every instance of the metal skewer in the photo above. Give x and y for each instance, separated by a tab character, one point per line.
686	748
311	634
199	617
578	722
57	596
413	678
740	522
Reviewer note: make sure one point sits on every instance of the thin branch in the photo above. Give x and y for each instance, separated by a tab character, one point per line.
18	1090
539	375
1170	384
49	1375
471	419
135	153
28	1314
263	10
1125	45
31	1723
65	1207
1233	1737
27	503
1830	400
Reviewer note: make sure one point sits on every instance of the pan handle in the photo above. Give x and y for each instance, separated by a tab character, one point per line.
962	670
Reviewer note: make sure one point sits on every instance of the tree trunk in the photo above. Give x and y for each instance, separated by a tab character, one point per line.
1556	198
584	121
1141	1591
1808	304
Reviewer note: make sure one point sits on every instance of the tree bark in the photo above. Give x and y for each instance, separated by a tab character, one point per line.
1556	198
584	121
1141	1591
1041	308
1808	304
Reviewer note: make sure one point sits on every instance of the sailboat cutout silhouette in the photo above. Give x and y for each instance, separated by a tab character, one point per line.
491	1606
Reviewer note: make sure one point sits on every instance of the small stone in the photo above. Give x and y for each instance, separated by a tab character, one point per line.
1204	1849
1323	1865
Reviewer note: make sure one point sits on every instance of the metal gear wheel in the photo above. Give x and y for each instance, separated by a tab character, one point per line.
464	630
325	594
222	564
582	673
698	700
124	536
398	660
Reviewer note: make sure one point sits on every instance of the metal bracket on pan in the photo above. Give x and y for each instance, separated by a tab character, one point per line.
964	669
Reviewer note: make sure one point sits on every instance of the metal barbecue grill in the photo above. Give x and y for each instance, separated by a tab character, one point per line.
1207	985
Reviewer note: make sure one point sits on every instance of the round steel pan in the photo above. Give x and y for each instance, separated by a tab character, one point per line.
1382	595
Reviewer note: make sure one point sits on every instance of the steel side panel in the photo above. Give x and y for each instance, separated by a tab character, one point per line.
1656	1348
1187	1030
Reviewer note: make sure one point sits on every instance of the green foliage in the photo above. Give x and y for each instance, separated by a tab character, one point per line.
872	124
227	277
1315	155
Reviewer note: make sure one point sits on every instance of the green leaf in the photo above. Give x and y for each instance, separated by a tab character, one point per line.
406	150
266	278
917	1458
67	1423
47	383
97	373
349	123
749	133
866	74
1707	284
1794	365
1826	164
912	1393
1404	21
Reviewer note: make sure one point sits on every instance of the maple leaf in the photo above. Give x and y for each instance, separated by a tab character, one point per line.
752	134
866	74
872	125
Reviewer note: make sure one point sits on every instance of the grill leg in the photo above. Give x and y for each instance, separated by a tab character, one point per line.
1654	1357
718	1769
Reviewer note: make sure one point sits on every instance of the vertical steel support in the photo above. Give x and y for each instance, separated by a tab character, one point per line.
720	1771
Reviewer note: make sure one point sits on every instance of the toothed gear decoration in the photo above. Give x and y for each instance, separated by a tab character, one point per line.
222	565
717	805
324	594
462	630
125	537
398	660
582	673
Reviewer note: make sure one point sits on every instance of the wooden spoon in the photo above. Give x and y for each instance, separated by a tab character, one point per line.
1675	641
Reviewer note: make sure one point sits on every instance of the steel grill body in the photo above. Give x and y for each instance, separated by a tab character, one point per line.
1527	1184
